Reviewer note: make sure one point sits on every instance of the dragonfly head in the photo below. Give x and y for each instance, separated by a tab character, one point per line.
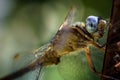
95	26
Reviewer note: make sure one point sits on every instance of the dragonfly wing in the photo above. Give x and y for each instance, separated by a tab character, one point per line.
38	52
17	66
21	60
24	65
69	18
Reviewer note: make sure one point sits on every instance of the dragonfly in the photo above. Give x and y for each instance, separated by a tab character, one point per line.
71	36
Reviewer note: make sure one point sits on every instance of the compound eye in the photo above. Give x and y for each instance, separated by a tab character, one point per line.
91	24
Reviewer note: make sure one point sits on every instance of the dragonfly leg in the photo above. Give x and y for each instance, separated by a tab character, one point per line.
92	67
97	45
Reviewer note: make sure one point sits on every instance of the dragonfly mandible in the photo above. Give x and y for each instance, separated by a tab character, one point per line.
71	36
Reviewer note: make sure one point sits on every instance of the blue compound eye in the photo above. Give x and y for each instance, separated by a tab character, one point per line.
91	24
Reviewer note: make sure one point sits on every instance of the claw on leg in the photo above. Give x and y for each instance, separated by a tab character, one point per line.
97	45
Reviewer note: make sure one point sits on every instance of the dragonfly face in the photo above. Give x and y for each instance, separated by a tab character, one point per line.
95	26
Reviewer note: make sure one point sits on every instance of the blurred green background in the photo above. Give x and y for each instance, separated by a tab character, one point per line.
27	24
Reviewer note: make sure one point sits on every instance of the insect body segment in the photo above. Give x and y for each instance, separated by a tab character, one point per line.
66	40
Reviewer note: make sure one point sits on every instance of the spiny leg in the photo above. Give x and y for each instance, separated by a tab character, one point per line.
89	59
92	67
97	45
